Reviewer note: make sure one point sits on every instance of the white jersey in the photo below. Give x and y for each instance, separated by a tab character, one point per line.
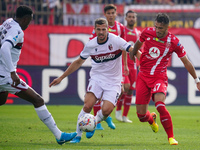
10	31
106	58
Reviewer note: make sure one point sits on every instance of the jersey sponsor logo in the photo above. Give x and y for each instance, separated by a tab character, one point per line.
154	52
106	57
158	40
111	30
130	33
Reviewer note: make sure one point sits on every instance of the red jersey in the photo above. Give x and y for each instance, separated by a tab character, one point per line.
131	36
156	52
117	29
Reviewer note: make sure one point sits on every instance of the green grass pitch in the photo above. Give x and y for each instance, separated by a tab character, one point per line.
21	129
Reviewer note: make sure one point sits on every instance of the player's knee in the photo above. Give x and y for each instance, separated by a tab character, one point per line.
87	108
126	87
38	101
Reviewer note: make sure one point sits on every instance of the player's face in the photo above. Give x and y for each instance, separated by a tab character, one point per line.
161	29
101	31
131	19
26	21
110	16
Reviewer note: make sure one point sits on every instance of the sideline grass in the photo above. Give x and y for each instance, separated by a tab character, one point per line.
21	129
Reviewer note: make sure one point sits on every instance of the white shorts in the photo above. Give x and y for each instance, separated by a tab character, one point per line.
107	91
7	86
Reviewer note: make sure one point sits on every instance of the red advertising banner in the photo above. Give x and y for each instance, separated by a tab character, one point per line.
61	45
36	46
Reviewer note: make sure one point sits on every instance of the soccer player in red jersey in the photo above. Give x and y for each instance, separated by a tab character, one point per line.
129	81
152	80
115	27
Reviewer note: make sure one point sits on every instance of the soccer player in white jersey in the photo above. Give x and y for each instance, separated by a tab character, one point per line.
152	79
105	51
11	41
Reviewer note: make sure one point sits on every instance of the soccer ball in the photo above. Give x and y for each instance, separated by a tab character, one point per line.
87	122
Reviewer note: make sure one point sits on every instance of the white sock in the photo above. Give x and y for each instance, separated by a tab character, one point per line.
99	116
78	131
47	119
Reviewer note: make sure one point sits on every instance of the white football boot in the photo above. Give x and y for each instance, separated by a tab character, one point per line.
125	119
118	115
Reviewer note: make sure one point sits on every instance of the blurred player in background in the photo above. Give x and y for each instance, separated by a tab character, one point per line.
128	81
152	80
11	41
110	12
105	51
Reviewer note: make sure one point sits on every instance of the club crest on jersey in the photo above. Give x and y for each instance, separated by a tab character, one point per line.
110	47
168	45
154	52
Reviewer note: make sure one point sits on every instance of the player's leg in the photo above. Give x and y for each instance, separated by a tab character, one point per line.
143	95
129	87
127	105
159	96
111	94
89	101
103	114
3	97
118	111
165	117
96	108
45	116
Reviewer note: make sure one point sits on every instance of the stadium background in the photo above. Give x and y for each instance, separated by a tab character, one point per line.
60	29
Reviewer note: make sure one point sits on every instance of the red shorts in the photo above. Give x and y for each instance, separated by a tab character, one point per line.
146	86
131	78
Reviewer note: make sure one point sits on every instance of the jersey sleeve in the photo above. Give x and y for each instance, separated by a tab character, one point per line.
85	52
123	45
179	49
14	36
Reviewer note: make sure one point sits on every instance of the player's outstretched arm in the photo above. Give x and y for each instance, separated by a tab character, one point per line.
73	67
190	68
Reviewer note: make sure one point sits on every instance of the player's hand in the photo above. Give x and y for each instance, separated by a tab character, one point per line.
126	70
198	86
15	78
55	82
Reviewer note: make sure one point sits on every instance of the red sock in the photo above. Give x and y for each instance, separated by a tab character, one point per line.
145	117
96	107
120	101
127	104
165	118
